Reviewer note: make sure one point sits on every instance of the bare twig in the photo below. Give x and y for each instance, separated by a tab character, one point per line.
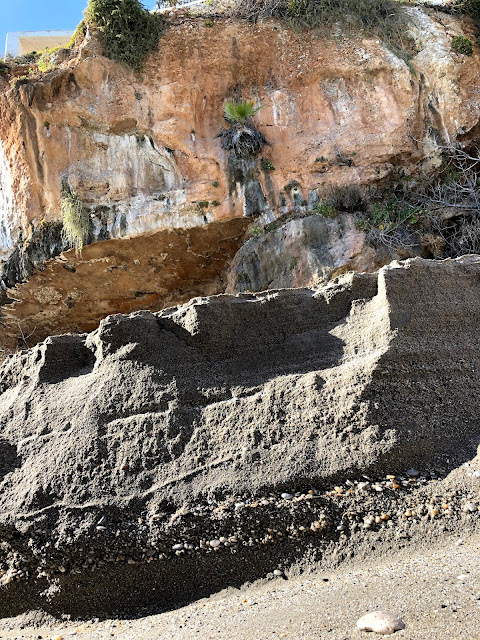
23	338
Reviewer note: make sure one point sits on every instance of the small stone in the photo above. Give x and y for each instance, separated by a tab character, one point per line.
382	622
286	496
362	486
278	572
413	473
178	547
469	507
215	543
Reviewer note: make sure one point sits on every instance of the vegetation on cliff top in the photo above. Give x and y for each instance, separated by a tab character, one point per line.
128	31
384	18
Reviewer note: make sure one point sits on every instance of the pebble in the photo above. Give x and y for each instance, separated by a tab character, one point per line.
177	547
362	486
286	496
382	622
215	543
469	507
413	473
277	572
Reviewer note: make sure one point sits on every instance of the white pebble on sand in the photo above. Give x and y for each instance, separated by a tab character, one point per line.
215	543
382	622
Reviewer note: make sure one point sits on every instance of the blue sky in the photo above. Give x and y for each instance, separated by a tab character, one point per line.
35	15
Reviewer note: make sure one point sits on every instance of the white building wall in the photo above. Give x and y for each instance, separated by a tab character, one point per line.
19	43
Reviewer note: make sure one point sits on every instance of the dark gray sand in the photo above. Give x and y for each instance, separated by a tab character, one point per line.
436	592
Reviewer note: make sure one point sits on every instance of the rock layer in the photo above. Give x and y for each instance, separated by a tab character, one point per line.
305	252
141	421
155	270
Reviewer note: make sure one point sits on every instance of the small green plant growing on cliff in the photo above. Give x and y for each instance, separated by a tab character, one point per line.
128	31
18	81
76	221
326	210
267	165
239	112
462	45
47	59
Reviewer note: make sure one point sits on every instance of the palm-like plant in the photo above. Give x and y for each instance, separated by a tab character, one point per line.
240	111
242	137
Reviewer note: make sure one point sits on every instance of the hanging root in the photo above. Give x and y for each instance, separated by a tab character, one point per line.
243	140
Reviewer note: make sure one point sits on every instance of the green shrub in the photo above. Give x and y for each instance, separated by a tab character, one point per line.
76	221
78	35
47	59
267	165
462	45
325	209
128	31
345	198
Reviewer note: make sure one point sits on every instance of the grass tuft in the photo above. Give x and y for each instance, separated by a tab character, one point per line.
76	221
382	18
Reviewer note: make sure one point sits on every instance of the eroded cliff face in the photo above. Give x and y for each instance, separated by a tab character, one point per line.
142	153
